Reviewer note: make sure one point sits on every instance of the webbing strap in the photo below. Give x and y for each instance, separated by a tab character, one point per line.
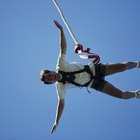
66	75
79	50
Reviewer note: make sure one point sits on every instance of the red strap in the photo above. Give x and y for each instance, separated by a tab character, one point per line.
79	50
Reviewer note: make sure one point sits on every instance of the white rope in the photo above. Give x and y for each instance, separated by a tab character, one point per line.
78	47
65	22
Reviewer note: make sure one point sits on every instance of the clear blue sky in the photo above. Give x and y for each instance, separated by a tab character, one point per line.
29	42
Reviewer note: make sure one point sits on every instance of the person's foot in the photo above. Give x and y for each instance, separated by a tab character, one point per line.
137	94
138	64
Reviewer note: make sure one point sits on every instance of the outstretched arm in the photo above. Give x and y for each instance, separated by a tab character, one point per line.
63	44
59	111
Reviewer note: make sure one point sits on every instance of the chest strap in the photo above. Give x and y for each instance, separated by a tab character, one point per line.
70	76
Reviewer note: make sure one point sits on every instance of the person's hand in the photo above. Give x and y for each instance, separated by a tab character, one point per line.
58	25
54	127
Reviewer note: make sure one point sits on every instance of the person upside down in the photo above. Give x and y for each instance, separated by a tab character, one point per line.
75	74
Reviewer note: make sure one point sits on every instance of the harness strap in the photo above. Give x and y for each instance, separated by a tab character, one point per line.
79	50
66	76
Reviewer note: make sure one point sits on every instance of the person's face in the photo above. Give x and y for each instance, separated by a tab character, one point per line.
50	77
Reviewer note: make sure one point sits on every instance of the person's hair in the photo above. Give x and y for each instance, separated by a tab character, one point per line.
42	77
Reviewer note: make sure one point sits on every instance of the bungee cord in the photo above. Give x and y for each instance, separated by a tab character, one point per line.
65	22
78	47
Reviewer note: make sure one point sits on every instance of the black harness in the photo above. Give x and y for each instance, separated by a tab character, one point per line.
70	76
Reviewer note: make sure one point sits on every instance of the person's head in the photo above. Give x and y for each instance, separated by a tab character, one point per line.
48	77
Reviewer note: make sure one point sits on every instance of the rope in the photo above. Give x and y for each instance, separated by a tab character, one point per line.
78	47
65	22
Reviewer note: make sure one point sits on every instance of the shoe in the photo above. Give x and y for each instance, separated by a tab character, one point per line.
137	94
138	65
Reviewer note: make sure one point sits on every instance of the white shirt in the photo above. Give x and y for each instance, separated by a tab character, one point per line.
81	78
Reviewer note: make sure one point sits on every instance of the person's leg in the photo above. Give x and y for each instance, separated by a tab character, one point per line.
115	92
101	85
120	67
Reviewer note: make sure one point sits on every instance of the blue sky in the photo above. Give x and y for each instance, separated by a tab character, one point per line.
29	42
